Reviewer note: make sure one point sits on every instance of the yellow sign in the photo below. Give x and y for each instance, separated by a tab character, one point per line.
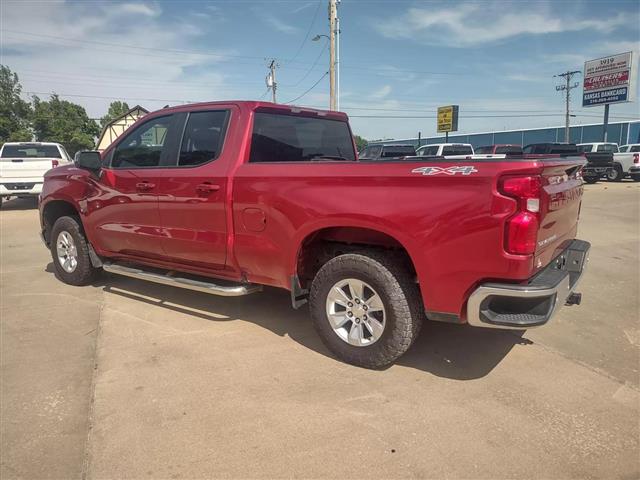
448	118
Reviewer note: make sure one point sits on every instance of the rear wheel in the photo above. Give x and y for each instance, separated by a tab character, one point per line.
70	252
615	174
366	308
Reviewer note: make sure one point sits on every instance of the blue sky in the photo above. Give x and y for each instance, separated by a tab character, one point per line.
495	59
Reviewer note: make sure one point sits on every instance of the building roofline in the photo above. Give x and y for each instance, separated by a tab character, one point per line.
456	134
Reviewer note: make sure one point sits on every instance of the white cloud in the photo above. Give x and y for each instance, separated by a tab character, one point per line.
381	93
276	23
148	10
54	52
473	24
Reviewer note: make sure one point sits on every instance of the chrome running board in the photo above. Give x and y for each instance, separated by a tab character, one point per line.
234	290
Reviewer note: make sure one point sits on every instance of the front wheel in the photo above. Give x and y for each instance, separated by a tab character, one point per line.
366	307
70	252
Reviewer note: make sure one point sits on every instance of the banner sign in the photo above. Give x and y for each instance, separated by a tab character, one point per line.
609	80
448	118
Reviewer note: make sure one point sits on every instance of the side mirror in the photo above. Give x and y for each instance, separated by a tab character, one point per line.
88	159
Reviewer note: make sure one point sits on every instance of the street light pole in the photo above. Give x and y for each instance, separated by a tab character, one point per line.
332	54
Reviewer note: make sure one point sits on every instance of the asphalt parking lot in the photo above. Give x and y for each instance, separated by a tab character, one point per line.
125	379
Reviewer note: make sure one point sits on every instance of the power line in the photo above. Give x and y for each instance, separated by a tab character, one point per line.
306	37
567	89
311	88
324	49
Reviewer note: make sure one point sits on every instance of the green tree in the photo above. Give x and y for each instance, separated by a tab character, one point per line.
116	109
64	122
14	112
360	142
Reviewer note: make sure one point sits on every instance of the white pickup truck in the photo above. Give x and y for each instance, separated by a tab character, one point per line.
624	161
23	165
445	150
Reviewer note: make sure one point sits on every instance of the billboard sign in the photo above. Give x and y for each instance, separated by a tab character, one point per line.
609	80
448	118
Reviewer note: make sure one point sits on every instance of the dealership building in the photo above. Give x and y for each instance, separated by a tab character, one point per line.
617	132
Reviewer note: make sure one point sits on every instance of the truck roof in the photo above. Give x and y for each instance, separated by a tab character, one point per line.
31	143
255	105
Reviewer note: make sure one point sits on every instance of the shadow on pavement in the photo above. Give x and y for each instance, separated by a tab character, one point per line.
452	351
16	203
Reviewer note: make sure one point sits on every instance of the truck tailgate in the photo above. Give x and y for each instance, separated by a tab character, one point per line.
25	168
561	197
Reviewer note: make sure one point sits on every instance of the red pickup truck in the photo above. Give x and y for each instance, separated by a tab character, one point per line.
226	197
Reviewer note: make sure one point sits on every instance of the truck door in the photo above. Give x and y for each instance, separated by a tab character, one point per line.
193	201
124	208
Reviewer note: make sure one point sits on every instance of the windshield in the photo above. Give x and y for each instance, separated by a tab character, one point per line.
30	151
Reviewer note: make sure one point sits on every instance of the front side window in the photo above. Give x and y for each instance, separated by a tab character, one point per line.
203	138
291	138
429	151
143	147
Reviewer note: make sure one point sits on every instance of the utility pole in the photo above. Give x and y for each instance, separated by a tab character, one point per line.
333	13
567	89
271	80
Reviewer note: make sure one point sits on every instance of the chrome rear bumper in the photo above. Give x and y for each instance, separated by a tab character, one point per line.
523	306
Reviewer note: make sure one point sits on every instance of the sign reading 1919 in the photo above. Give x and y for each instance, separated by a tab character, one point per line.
609	80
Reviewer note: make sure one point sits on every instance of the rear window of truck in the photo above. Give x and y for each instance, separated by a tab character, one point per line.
30	151
292	138
506	149
457	150
401	151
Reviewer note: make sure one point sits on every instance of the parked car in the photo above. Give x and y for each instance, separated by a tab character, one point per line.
237	195
632	147
598	163
500	149
23	164
447	150
376	152
622	161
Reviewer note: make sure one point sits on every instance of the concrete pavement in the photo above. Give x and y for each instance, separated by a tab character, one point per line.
126	379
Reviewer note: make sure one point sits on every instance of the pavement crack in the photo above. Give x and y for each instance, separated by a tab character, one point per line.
86	458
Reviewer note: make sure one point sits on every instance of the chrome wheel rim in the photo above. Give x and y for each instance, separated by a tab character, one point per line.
355	312
612	174
67	252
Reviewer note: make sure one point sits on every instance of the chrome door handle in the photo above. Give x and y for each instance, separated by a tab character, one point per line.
144	186
207	188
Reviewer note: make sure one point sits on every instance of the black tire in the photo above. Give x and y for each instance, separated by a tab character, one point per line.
84	272
400	295
590	180
635	178
615	174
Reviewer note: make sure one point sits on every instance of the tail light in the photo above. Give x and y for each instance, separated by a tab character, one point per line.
54	163
636	158
521	229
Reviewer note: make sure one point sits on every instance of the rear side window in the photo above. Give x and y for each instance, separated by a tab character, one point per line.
291	138
203	138
31	151
143	147
635	148
457	150
584	148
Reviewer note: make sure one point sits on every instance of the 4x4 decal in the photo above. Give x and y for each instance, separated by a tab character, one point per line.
465	170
